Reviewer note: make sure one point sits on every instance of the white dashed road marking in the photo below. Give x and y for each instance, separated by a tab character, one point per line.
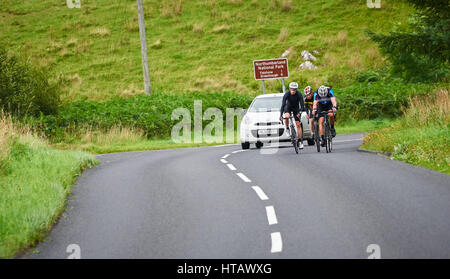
260	193
243	177
277	243
231	167
271	217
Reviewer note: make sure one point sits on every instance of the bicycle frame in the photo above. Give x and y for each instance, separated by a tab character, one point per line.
327	131
294	132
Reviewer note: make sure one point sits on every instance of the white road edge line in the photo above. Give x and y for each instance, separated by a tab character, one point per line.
231	167
271	217
260	193
222	145
225	156
224	161
243	177
237	151
277	243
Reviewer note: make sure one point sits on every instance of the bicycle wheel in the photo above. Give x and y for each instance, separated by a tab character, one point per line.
294	138
330	143
317	136
327	134
330	139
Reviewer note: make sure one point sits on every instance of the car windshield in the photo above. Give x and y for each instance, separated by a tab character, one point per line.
266	104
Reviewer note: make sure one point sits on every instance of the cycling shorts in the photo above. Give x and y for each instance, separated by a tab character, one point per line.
288	109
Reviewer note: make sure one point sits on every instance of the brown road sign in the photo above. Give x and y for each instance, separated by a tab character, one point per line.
271	68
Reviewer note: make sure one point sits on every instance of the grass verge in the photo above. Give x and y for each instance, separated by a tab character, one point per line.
359	126
421	137
124	139
34	182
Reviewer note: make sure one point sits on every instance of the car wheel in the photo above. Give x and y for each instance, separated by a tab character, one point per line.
245	145
310	141
259	144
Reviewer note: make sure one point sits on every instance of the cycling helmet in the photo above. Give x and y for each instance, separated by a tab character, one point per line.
308	90
323	91
293	85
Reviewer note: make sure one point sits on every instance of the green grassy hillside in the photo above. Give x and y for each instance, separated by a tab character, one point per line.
193	45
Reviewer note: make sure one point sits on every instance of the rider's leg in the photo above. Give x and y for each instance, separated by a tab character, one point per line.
333	131
311	124
331	115
322	130
300	134
299	130
286	120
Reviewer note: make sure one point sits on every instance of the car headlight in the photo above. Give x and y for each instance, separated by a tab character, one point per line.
247	120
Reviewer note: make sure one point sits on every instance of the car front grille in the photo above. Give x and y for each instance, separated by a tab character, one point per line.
256	135
267	123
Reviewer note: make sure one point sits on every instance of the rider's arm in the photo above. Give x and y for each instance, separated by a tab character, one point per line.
315	103
333	98
333	101
302	102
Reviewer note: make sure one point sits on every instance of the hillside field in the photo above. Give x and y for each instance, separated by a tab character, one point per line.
205	46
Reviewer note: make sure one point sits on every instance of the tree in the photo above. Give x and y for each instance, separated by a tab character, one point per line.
422	51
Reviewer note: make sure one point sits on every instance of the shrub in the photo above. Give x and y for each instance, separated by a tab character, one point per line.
24	89
381	99
151	114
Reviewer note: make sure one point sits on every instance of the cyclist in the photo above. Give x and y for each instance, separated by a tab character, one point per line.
293	102
325	101
309	101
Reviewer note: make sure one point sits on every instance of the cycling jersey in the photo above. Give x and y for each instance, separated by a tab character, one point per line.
292	103
309	104
324	102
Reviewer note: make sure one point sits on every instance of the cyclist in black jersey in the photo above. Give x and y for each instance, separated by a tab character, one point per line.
309	101
293	102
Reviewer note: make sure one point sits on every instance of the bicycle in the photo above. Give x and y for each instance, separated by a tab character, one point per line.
293	131
327	127
316	131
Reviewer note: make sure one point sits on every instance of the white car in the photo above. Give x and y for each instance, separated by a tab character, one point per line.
261	123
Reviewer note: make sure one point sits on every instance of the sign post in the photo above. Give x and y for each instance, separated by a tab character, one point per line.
143	47
271	69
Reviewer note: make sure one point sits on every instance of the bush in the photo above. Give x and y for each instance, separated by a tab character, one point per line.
24	89
151	114
380	99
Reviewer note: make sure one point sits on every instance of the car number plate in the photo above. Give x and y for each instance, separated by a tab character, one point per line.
267	132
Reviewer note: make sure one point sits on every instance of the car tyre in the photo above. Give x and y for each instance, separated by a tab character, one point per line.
245	145
259	144
310	142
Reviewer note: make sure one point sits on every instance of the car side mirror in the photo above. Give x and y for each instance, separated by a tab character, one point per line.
243	112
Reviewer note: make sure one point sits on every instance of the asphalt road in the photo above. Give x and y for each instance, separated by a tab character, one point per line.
190	203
